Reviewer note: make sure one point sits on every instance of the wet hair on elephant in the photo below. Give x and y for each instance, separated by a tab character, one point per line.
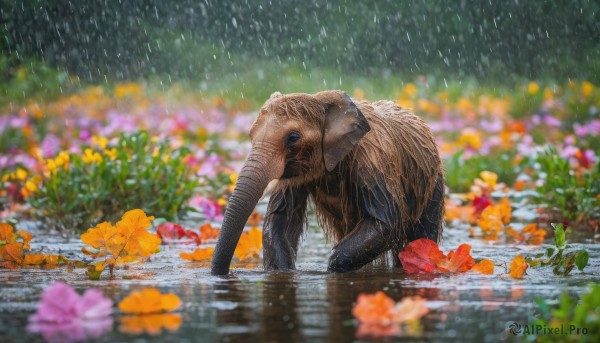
372	171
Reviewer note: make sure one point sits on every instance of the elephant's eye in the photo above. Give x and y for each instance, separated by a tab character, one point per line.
292	138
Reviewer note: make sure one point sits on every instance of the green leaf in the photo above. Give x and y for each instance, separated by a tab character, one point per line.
581	259
559	235
92	273
550	252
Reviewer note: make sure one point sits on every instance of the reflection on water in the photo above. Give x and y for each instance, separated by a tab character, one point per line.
307	305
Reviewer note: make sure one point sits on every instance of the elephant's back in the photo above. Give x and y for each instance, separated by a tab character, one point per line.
401	147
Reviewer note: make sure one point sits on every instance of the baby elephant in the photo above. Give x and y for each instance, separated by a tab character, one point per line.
372	171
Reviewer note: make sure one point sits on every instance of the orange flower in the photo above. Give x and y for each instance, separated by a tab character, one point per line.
459	261
198	254
41	259
127	241
134	227
149	300
12	245
517	127
421	255
375	308
456	211
533	234
207	232
505	210
518	266
409	308
490	221
254	219
380	316
530	234
484	267
250	245
519	185
151	324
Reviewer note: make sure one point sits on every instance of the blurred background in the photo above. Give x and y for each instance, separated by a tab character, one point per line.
248	49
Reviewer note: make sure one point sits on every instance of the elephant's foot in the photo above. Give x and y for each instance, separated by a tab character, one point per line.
369	239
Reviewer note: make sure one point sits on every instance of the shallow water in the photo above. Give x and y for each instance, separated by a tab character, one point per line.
307	305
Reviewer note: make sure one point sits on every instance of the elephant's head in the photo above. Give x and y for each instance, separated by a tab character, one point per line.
297	138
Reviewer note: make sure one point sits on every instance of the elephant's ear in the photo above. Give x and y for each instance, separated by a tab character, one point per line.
345	125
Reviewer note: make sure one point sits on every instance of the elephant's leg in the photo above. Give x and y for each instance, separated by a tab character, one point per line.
431	221
369	239
284	223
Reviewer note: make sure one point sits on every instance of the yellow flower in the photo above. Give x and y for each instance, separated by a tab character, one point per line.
358	93
233	178
31	186
60	161
464	105
21	174
128	90
532	88
489	178
111	153
63	159
90	156
443	96
405	103
100	141
470	138
410	90
587	88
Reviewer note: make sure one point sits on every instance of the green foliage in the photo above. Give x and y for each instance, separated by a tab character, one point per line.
526	102
460	171
581	259
559	258
29	78
568	195
461	38
570	314
102	183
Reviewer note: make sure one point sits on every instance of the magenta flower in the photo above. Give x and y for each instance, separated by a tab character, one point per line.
61	304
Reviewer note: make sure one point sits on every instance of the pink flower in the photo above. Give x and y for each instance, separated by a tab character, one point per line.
79	330
211	209
61	304
210	165
50	146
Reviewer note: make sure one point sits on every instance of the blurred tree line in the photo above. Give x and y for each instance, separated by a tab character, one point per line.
485	39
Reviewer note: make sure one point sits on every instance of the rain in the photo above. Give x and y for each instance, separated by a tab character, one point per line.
125	133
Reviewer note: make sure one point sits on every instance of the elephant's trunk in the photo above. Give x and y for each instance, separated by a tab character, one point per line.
256	174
